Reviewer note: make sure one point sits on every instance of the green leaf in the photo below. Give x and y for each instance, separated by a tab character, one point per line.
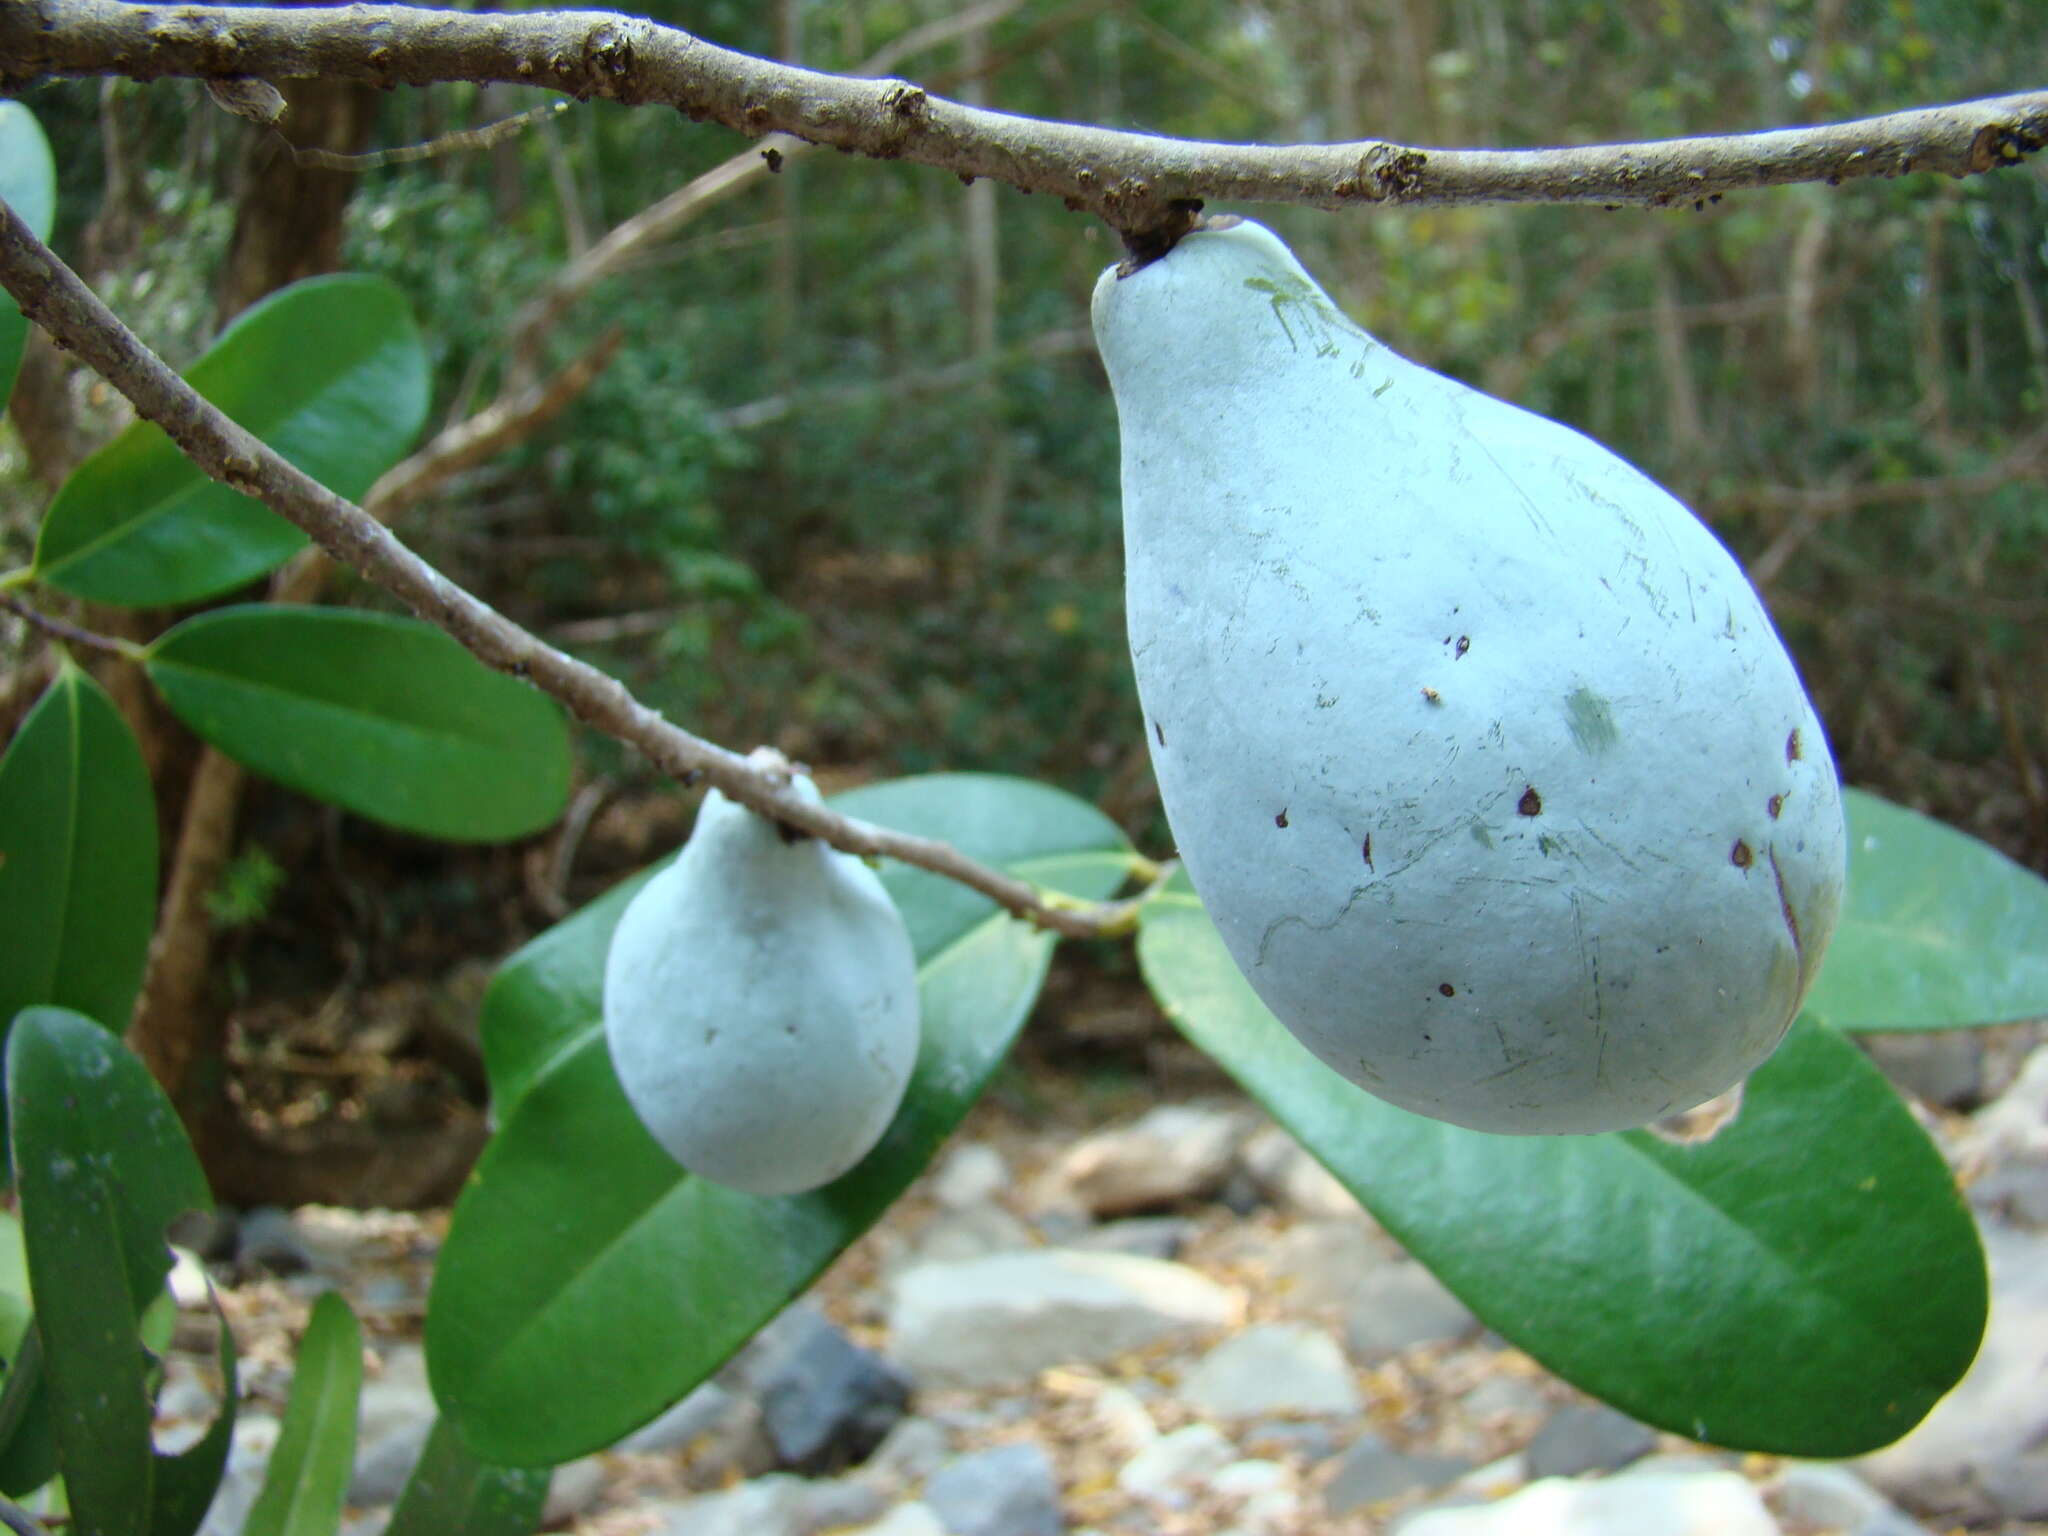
1939	930
450	1490
1819	1231
102	1167
28	1435
383	716
330	372
587	1282
28	184
77	857
306	1483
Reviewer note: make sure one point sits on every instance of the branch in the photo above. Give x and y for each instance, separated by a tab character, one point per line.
1138	182
71	634
55	298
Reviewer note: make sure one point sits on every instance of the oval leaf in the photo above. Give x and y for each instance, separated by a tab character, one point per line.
450	1490
306	1483
1820	1229
587	1281
1939	931
78	857
383	716
28	184
102	1167
330	372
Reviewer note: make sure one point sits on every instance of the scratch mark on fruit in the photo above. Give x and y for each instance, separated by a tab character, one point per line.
1368	850
1785	906
1590	719
1159	732
1507	1071
1534	513
1621	858
1295	919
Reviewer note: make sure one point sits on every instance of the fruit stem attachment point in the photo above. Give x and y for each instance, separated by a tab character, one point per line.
1145	244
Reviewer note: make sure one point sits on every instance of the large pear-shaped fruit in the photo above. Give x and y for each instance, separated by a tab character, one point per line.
760	1002
1478	747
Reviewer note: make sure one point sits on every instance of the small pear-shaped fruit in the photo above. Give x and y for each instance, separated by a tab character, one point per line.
1478	747
760	1002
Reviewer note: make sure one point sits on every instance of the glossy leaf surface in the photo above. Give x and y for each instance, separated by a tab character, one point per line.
386	717
102	1166
1939	931
331	372
306	1482
587	1282
1819	1231
450	1490
78	855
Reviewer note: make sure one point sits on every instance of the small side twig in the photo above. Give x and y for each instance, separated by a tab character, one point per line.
20	1521
70	633
55	298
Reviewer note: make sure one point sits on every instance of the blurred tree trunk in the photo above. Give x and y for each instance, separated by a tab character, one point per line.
288	226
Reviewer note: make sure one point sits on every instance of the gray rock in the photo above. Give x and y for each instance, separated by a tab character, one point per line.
2008	1149
1939	1067
1303	1438
255	1437
1643	1503
1400	1305
971	1233
268	1241
1149	1237
1172	1153
971	1175
393	1419
1172	1467
1123	1420
1588	1437
825	1402
776	1505
1821	1496
1273	1368
909	1453
1372	1471
1007	1491
676	1426
1291	1178
573	1489
1505	1397
1003	1319
1982	1454
912	1519
383	1465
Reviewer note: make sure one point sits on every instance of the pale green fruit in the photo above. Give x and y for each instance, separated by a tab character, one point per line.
760	1002
1478	747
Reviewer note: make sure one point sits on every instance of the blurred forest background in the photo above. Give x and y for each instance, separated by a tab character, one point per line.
848	484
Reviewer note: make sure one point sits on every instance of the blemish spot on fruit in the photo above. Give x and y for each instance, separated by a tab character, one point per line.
1590	720
1432	696
1740	855
1531	803
1464	644
1280	820
1159	733
1368	850
1480	835
1792	746
1776	806
1445	989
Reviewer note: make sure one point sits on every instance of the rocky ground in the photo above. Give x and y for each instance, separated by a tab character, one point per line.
1177	1324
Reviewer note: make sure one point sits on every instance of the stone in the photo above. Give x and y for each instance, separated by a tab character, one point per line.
775	1505
1322	1263
1587	1437
573	1490
912	1519
971	1233
1172	1467
1274	1368
701	1411
394	1416
1124	1421
1306	1439
1512	1397
383	1465
1706	1503
2008	1148
1982	1455
1814	1496
1001	1320
1173	1153
1009	1490
1373	1471
1253	1475
268	1241
825	1402
1150	1237
911	1452
1944	1068
972	1174
1397	1306
255	1437
1291	1178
